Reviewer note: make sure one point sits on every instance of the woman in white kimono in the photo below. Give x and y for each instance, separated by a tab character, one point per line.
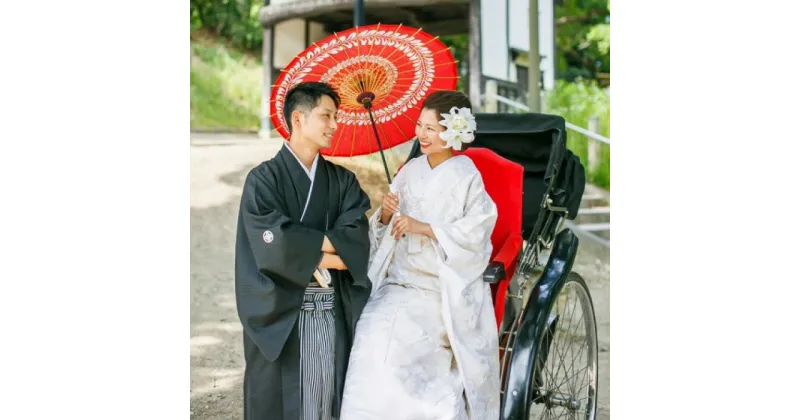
426	343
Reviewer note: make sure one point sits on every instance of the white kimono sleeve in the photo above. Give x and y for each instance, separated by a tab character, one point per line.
381	245
464	248
465	242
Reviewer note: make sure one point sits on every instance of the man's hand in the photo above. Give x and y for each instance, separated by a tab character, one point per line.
390	206
407	224
327	246
332	261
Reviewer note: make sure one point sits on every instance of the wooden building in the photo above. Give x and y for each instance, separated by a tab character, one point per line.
497	32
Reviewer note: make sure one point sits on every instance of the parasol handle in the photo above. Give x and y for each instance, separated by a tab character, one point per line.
367	102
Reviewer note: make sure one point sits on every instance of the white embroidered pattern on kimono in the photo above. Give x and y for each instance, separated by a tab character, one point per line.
426	344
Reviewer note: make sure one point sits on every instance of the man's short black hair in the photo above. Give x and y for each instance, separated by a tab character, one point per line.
305	96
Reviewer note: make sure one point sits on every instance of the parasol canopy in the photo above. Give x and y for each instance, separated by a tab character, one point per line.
382	74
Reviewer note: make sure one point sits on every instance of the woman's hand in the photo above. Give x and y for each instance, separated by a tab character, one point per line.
407	224
390	206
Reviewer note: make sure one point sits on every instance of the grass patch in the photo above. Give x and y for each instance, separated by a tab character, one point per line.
225	87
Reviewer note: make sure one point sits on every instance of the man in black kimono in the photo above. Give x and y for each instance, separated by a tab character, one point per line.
302	222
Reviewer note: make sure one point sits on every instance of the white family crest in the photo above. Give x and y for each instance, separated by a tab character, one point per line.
461	127
268	237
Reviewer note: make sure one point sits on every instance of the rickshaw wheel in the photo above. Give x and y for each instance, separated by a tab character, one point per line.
565	369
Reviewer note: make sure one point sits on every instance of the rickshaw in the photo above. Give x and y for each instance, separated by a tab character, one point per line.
545	316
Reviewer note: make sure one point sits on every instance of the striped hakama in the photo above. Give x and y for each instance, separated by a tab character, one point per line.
317	335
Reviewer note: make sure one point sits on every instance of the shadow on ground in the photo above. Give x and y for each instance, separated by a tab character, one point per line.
217	363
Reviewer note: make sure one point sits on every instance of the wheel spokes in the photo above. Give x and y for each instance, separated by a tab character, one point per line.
569	371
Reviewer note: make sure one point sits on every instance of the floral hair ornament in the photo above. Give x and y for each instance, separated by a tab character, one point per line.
461	127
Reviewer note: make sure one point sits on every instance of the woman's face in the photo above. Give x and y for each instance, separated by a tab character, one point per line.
427	131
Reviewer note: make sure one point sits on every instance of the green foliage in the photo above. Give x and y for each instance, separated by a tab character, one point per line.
583	39
225	88
577	102
600	34
234	20
459	46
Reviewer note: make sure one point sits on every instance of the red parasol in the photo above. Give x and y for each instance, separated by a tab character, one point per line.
382	73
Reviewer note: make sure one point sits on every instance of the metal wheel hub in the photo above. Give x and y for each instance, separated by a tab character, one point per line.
552	399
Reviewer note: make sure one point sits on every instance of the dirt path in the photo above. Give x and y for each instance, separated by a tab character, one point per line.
219	164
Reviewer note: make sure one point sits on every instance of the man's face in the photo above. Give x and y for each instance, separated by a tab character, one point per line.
318	126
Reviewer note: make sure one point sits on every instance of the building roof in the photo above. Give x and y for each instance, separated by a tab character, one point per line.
437	17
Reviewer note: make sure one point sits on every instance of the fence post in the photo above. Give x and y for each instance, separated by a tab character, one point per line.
545	98
594	145
490	103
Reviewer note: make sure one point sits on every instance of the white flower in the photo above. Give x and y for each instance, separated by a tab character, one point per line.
461	127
